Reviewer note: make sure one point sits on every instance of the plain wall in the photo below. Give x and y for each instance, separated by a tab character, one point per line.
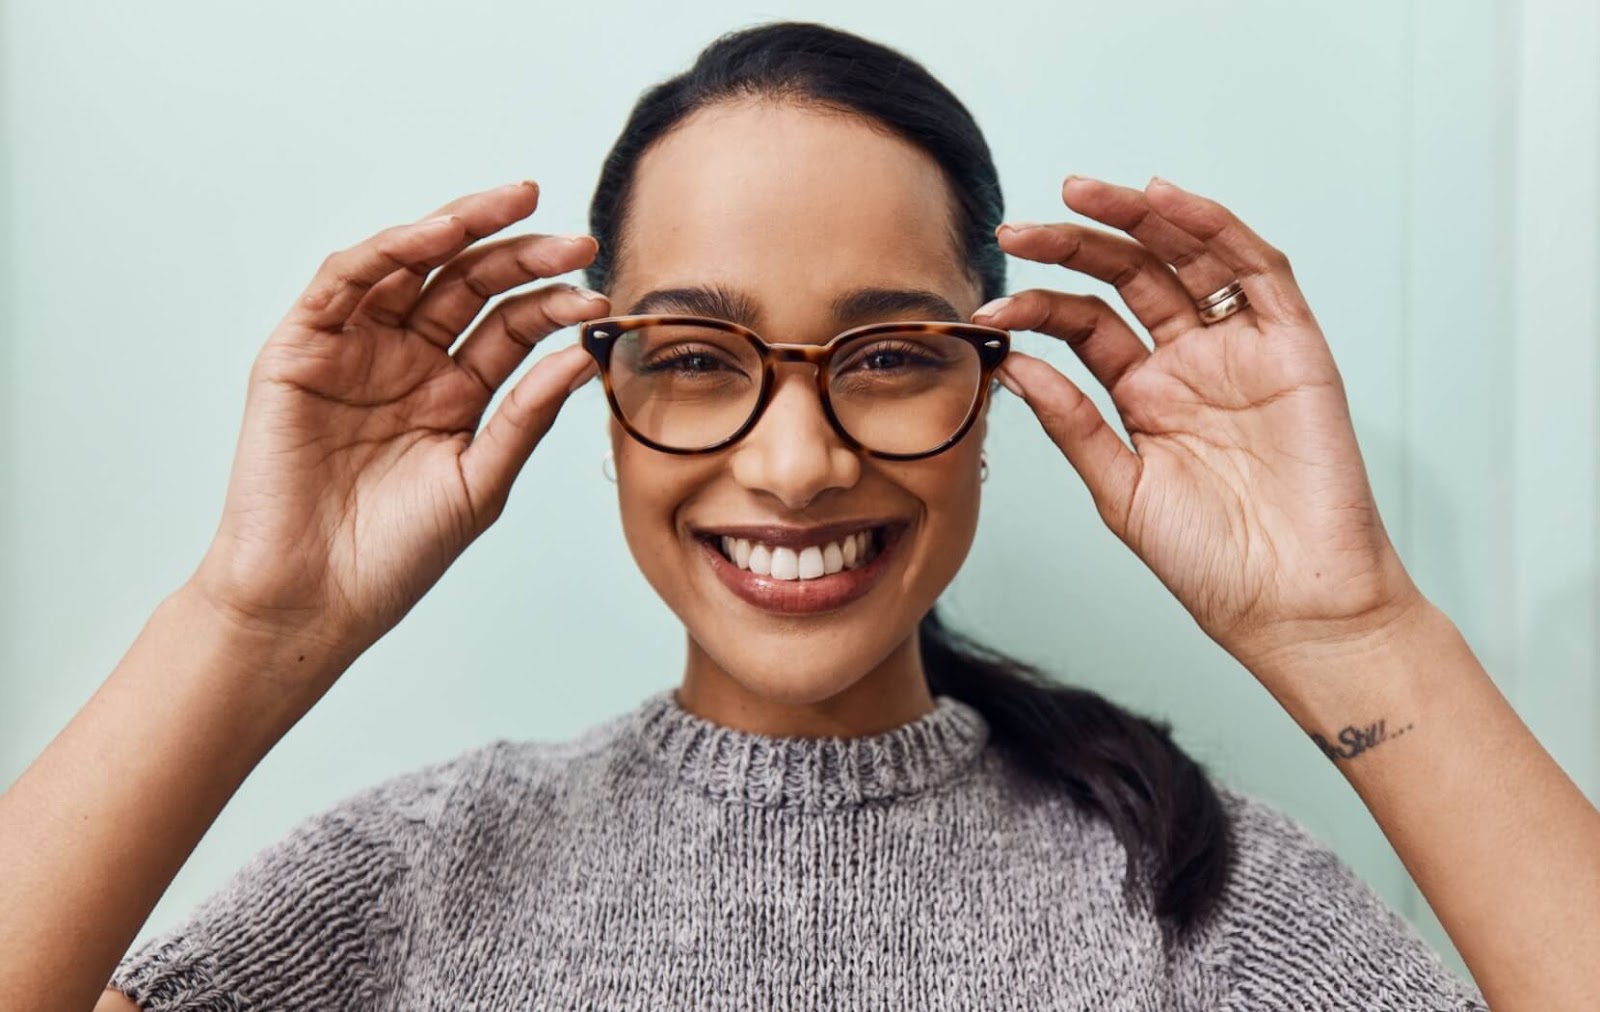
175	172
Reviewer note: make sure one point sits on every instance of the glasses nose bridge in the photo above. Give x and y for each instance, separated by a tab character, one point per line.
803	354
814	354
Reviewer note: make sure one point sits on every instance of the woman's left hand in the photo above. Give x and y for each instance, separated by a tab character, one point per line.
1245	492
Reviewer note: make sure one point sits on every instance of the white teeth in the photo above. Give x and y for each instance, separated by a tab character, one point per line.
761	560
811	563
832	558
807	563
785	564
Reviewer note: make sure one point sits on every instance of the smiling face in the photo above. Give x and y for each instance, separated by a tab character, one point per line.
798	223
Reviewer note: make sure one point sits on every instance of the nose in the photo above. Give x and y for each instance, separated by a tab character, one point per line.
793	454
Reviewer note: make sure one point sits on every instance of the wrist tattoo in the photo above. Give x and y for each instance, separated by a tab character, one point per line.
1356	740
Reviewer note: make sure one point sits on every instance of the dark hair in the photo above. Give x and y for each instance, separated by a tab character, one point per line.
1158	801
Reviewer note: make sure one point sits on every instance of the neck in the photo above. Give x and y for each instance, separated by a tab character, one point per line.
893	693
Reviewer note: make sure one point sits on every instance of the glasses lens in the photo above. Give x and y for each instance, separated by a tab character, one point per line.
904	392
684	385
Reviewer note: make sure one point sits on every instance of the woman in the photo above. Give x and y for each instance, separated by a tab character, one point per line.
843	804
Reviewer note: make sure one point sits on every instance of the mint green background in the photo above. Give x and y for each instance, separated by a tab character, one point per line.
174	173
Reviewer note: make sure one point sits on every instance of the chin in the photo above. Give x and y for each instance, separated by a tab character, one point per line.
792	671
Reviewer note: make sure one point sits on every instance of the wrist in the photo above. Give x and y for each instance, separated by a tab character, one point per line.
1388	672
294	662
1289	648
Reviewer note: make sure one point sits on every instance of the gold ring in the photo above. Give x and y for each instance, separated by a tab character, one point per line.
1227	291
1222	303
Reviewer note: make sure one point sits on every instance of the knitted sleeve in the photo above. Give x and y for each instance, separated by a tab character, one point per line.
1300	930
315	920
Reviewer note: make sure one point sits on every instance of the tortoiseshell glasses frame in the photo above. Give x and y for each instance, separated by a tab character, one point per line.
992	344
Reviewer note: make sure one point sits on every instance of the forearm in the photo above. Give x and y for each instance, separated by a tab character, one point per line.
1502	843
93	832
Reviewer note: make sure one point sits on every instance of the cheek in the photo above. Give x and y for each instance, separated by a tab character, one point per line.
643	497
651	490
947	486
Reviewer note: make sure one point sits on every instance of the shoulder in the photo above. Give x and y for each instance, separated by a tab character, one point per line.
595	744
412	799
585	766
345	868
1283	870
1278	860
508	789
1297	925
1274	850
427	795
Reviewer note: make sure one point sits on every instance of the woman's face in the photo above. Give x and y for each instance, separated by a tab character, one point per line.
783	211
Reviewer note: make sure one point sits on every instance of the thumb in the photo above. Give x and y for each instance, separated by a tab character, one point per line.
1072	421
497	454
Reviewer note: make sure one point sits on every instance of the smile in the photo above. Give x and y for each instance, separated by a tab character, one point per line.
808	562
798	572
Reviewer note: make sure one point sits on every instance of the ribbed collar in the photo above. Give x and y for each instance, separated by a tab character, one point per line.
811	773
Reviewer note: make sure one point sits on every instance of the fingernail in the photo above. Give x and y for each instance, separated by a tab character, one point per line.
439	222
1007	381
574	239
993	306
1158	181
588	293
1020	226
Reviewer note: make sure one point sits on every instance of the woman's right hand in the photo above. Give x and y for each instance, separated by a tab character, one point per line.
360	474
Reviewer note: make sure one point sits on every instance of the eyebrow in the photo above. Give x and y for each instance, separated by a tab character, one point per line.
856	306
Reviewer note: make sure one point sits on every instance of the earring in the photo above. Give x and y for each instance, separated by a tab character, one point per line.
983	465
608	467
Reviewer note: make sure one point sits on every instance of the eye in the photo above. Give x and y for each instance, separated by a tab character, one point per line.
887	356
685	359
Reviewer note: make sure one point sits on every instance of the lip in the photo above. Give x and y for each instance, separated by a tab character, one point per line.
793	597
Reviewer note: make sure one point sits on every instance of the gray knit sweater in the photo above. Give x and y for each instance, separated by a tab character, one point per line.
659	861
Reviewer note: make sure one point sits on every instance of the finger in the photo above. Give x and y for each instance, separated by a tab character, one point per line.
346	277
1097	334
491	462
499	343
1072	421
482	214
1200	271
460	290
1262	269
1147	285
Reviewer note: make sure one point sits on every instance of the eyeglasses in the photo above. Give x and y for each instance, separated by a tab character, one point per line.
693	384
